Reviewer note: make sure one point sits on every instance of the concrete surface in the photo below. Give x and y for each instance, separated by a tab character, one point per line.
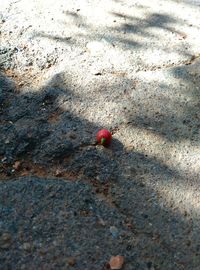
68	69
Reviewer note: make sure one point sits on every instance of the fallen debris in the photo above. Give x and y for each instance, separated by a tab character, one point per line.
116	262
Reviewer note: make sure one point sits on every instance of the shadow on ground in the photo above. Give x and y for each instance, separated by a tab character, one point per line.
97	207
125	32
66	201
174	117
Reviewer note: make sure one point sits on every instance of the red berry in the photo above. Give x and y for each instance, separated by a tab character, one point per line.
104	137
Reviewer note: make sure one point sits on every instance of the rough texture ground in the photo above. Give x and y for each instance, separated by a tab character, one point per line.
67	69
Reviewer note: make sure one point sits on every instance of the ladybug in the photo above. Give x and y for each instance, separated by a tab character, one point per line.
104	137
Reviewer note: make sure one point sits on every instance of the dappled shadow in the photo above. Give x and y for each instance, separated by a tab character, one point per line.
141	26
147	194
194	3
36	131
126	32
133	25
174	112
56	38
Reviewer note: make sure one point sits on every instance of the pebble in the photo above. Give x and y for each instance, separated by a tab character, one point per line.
21	83
71	261
17	165
114	231
116	262
5	240
27	247
72	135
59	172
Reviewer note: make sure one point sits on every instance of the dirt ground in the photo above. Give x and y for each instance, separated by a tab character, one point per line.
67	70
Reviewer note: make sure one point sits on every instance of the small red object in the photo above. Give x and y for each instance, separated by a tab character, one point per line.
104	137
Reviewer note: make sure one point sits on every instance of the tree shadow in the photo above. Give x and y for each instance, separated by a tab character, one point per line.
67	40
140	26
133	25
124	32
36	131
150	201
189	2
175	119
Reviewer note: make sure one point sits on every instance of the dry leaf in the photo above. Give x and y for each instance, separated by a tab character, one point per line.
116	262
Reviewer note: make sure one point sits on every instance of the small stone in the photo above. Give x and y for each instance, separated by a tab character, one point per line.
116	262
129	226
71	262
98	73
58	173
4	159
29	63
27	247
5	241
114	231
17	165
72	135
21	83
